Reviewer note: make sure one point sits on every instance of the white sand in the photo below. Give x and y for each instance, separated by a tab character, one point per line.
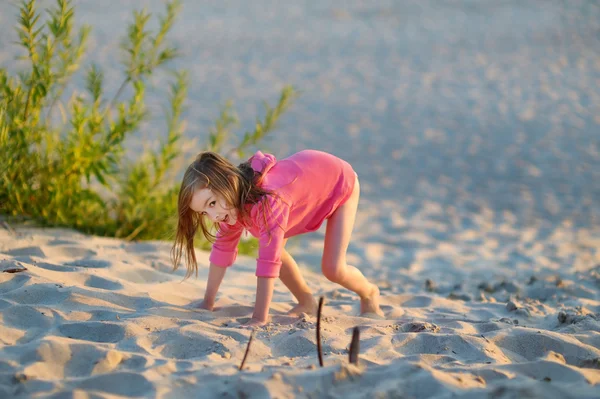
98	317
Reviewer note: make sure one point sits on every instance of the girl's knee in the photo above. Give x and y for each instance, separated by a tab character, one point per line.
333	272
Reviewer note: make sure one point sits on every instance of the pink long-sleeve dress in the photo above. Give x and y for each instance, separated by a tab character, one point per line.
310	186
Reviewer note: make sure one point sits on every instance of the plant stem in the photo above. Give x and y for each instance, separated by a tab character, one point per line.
27	103
137	231
112	102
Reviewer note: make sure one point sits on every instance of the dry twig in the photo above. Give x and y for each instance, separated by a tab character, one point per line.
354	346
15	270
319	349
247	350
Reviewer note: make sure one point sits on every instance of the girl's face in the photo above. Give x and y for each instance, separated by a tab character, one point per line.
213	206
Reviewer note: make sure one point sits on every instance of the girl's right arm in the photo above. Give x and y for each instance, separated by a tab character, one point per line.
223	252
215	277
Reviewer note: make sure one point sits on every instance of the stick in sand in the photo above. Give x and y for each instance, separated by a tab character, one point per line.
354	346
14	270
319	350
247	350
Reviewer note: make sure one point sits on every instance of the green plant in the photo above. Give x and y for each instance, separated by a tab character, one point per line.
72	172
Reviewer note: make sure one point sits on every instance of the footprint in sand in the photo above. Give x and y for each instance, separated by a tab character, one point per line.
56	268
139	247
67	251
60	242
42	294
135	362
300	343
26	251
120	383
233	311
143	276
93	331
26	317
13	282
372	315
189	345
102	283
89	263
416	301
420	327
84	358
233	333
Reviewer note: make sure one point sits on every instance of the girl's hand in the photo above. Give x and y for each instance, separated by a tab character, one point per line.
206	305
254	323
264	293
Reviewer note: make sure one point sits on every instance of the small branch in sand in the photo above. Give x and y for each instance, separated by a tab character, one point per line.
247	350
14	270
354	346
319	349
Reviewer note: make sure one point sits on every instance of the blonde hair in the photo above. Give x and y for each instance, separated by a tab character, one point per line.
238	186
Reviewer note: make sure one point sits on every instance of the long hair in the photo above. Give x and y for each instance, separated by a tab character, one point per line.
238	186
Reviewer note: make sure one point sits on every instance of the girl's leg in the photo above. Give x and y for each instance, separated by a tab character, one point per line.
334	266
290	276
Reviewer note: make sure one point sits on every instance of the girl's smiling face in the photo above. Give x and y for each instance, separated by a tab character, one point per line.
212	205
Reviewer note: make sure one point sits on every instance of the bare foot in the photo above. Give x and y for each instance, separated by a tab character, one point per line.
370	303
206	305
308	306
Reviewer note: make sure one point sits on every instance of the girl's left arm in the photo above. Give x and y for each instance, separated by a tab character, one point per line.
264	294
270	246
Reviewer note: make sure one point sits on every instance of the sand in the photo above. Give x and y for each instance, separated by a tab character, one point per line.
84	316
473	126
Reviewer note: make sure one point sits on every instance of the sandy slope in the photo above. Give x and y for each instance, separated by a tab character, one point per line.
108	318
473	126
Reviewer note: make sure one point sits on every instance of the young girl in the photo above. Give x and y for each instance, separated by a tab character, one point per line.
273	200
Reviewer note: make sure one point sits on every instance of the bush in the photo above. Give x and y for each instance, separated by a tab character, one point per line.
72	173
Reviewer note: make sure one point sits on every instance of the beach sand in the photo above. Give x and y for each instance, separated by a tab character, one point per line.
100	317
473	127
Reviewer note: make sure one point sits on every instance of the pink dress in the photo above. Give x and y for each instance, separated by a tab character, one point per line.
310	184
